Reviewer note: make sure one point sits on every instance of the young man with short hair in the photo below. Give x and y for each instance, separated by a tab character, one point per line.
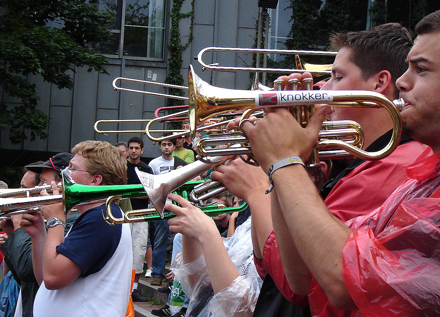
139	230
161	165
384	263
88	271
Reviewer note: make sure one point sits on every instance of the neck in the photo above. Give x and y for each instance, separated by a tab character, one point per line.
167	157
178	148
134	161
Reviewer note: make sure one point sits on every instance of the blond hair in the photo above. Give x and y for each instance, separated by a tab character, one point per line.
103	159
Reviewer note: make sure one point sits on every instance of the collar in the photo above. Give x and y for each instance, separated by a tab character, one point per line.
425	167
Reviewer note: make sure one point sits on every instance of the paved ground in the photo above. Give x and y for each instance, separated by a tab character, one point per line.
156	300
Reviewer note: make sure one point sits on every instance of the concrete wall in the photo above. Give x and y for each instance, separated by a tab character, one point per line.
225	23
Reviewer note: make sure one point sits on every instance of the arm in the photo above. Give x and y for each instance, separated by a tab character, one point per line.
249	183
307	218
55	269
195	225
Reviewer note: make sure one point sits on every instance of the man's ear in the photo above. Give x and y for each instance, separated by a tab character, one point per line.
383	81
97	180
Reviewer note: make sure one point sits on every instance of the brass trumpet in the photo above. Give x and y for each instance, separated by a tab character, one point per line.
207	101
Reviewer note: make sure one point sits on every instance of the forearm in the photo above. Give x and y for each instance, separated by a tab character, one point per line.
295	270
262	225
221	270
55	236
310	224
38	244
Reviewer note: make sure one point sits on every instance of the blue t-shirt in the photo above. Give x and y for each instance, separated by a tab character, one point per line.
91	241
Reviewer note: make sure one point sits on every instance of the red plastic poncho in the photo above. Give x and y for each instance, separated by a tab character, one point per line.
391	261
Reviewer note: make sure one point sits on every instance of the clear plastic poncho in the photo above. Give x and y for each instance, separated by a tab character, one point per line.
240	298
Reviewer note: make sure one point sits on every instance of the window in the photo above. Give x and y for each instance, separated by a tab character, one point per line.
279	28
138	30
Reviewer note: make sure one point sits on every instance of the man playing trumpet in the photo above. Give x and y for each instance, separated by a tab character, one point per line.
370	60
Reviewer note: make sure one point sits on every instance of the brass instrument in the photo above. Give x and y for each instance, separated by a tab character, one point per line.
146	82
158	187
72	195
20	192
187	191
315	69
207	101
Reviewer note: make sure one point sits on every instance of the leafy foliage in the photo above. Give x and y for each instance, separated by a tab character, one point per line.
175	48
49	38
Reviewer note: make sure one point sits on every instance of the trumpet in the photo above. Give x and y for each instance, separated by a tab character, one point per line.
158	187
189	190
207	101
19	192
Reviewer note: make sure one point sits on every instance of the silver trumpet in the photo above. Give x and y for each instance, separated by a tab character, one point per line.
158	187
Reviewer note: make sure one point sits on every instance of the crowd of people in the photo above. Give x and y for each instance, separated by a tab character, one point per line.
358	239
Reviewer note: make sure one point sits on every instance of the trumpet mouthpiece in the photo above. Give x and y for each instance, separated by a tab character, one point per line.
400	103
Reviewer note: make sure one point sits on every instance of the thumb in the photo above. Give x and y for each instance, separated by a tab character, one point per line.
316	120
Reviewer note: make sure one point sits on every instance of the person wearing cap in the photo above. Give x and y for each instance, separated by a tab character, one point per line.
18	247
88	271
51	169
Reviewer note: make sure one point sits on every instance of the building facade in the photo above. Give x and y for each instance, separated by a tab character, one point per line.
138	50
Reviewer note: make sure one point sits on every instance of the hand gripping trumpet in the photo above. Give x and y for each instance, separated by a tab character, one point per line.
206	101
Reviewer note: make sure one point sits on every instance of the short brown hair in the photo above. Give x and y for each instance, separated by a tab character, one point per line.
384	47
103	159
428	24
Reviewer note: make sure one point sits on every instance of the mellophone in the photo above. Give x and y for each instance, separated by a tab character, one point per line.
336	139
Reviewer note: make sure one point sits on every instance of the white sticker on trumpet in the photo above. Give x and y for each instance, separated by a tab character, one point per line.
291	98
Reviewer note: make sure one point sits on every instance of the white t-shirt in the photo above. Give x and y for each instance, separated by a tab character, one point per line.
161	166
103	288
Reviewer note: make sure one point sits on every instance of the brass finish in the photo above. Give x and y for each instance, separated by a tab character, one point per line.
215	67
207	101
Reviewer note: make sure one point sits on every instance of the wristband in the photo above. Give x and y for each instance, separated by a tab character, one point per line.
291	160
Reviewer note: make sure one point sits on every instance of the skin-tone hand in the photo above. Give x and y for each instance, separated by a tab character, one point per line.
241	179
190	220
269	147
10	225
33	224
55	210
3	238
199	234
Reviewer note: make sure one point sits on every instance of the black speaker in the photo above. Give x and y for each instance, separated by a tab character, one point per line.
270	4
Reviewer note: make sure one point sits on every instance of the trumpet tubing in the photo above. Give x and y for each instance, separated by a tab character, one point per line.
143	215
146	82
214	67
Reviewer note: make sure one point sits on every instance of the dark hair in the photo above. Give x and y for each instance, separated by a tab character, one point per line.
429	24
36	175
173	140
135	139
384	47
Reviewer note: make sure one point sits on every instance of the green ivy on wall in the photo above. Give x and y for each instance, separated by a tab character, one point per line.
175	48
